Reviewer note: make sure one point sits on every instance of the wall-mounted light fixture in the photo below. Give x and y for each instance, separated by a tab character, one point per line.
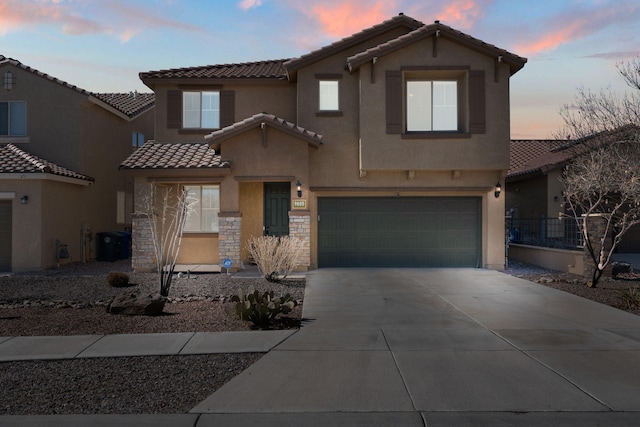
7	81
299	188
24	199
497	190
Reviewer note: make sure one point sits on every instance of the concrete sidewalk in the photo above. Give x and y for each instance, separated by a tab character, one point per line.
81	346
416	347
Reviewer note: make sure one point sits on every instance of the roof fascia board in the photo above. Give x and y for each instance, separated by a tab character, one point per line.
45	177
112	110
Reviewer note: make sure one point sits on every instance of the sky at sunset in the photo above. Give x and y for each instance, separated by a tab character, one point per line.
102	45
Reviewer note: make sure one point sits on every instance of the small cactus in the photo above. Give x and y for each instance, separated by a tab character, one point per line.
261	309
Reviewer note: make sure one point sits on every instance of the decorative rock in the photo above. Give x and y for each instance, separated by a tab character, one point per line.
137	305
621	268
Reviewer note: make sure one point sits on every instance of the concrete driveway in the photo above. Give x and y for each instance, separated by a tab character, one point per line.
440	347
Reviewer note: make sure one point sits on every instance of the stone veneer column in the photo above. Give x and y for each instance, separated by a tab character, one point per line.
229	237
143	256
300	227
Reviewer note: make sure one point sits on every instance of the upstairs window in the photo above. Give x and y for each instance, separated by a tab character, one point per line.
137	139
201	110
13	118
329	95
432	106
203	215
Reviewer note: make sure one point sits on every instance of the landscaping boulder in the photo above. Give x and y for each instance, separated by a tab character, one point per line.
137	305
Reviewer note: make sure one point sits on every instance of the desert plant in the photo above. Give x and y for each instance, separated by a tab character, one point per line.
630	298
167	213
259	308
118	279
275	256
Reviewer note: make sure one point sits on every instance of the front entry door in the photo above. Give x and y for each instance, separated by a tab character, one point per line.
5	235
277	203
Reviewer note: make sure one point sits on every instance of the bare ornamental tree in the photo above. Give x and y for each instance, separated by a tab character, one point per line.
601	181
166	208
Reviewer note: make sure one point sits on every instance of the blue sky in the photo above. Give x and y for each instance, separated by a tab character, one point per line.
102	45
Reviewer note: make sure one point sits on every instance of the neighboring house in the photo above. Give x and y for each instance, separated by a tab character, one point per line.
60	147
383	149
534	193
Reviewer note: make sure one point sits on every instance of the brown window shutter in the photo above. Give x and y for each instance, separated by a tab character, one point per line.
227	107
393	101
477	102
174	109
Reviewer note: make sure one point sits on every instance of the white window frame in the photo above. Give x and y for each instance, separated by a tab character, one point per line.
329	95
201	109
203	214
10	132
432	105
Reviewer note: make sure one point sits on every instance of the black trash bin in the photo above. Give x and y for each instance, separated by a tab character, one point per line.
124	251
108	246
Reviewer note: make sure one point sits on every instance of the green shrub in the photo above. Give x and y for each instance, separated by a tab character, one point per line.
118	279
259	308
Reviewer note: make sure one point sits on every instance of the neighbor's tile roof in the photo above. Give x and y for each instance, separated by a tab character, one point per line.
131	103
270	69
153	155
126	103
16	160
269	119
535	155
515	62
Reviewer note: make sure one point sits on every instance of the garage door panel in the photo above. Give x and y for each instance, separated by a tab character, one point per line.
399	232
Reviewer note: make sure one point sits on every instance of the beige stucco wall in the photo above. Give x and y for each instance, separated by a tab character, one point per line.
51	214
555	259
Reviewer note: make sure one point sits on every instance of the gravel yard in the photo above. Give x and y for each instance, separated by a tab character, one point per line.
72	301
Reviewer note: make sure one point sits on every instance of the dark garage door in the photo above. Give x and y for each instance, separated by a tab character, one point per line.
399	232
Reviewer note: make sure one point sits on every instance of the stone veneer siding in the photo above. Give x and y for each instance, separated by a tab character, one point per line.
300	227
229	245
142	253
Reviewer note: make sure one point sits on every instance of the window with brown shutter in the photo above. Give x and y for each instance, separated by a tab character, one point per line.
202	111
453	98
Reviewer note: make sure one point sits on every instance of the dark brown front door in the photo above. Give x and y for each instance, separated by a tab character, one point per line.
277	203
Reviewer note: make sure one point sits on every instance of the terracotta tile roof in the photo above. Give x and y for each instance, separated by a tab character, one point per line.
270	69
129	107
529	156
16	160
130	104
515	62
397	21
153	155
269	119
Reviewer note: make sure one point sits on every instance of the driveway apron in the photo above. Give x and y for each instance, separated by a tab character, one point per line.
440	342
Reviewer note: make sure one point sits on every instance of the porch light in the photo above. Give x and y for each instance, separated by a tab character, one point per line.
299	188
497	190
24	199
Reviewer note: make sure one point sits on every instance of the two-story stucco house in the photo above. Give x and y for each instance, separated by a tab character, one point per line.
387	148
60	148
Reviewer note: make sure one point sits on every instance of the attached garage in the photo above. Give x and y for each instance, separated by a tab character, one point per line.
399	232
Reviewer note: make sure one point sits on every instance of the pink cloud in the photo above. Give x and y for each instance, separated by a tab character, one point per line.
249	4
340	19
577	24
115	18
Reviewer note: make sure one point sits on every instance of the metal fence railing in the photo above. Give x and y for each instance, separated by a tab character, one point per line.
563	233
